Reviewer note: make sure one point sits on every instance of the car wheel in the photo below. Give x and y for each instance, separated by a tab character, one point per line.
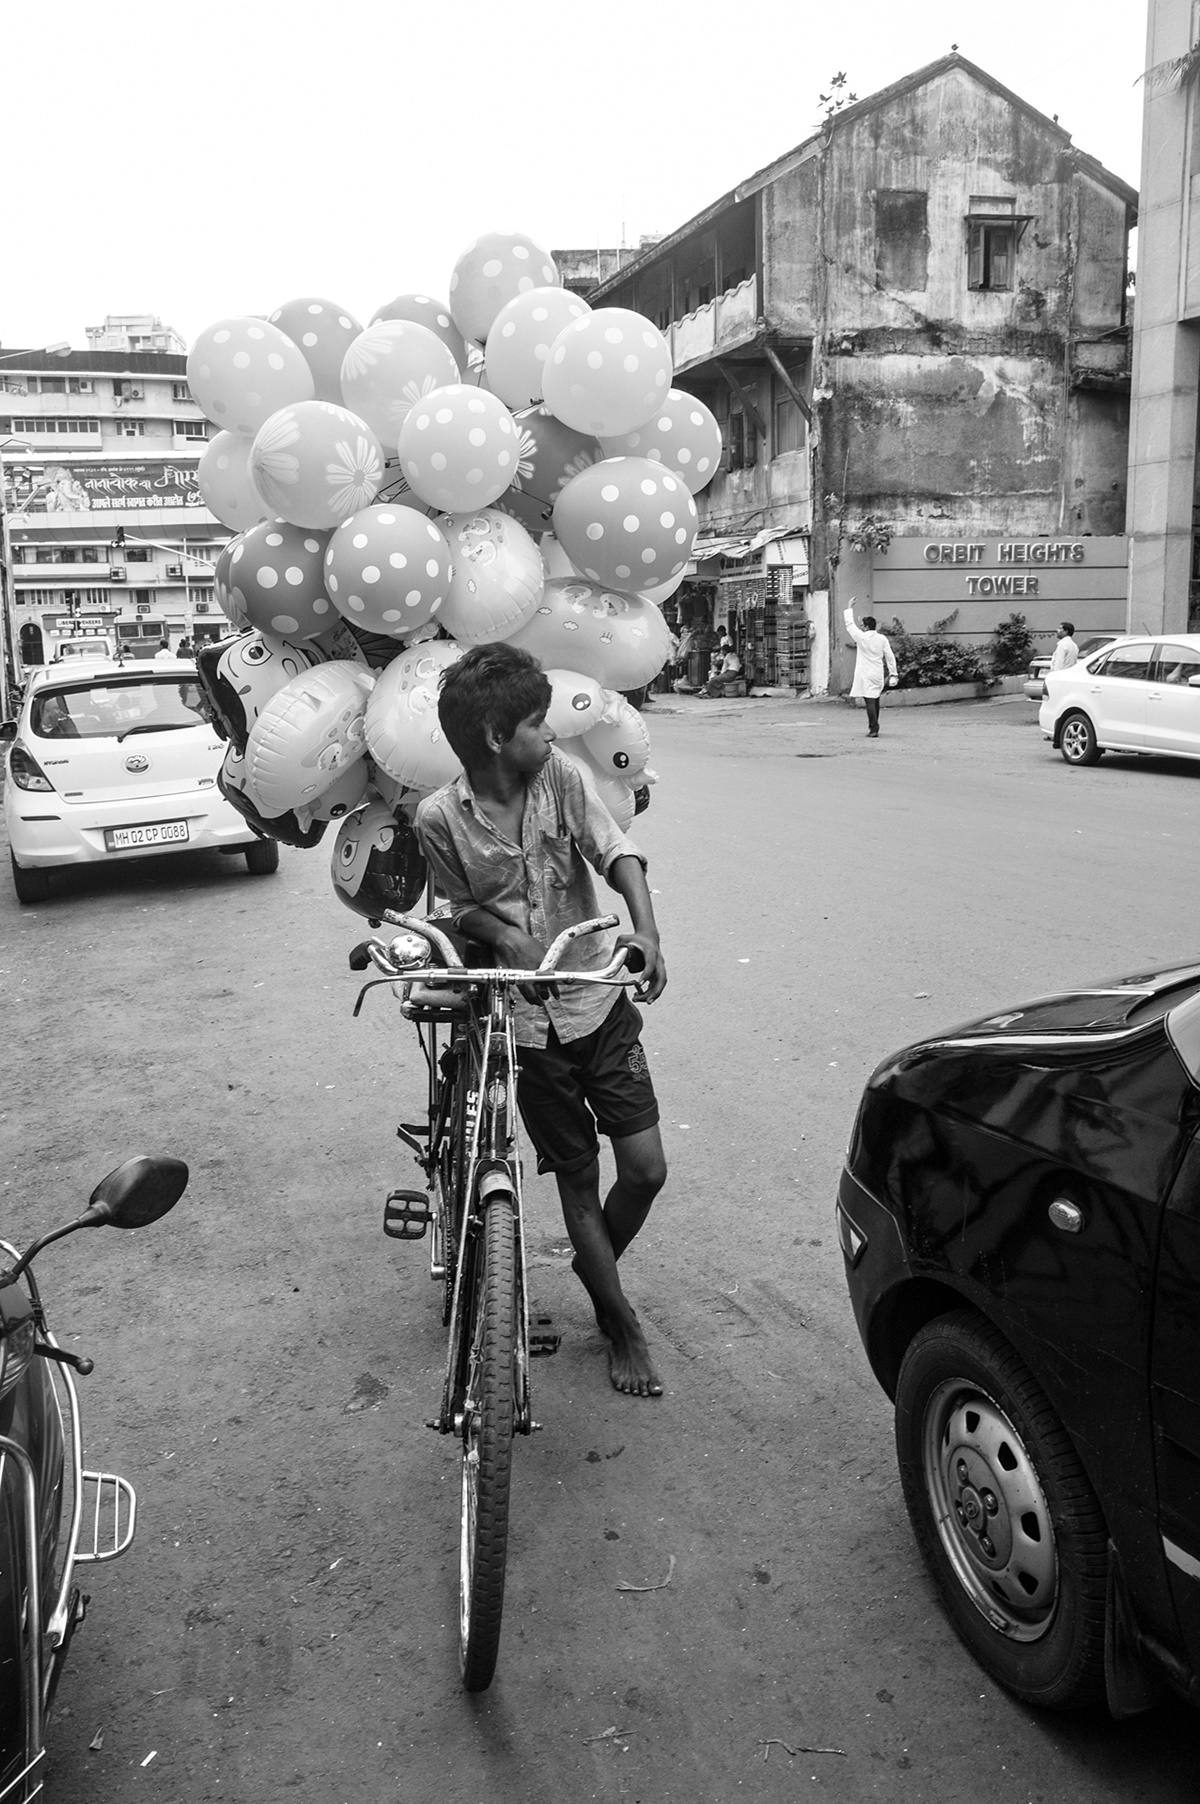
262	857
30	883
1077	741
1003	1513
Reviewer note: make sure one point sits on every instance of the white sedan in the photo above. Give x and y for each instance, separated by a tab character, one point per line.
113	761
1137	695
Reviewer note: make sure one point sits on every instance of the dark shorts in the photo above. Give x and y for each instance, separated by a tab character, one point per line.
600	1082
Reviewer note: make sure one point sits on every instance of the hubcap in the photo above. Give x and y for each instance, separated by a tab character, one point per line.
1075	739
990	1511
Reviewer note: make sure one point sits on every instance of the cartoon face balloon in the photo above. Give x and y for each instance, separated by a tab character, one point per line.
620	744
322	331
404	734
491	272
274	578
233	781
620	640
377	862
224	480
316	464
577	702
242	370
350	791
307	735
626	522
496	578
239	677
616	795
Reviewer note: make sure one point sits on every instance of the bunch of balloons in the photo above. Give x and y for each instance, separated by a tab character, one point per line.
510	464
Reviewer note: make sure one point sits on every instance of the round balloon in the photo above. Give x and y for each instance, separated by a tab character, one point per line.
388	570
226	485
424	310
520	340
239	677
389	368
404	734
616	795
548	455
626	522
316	463
577	702
493	271
620	640
233	781
275	579
377	862
229	596
323	332
496	578
458	448
307	734
243	370
683	434
607	373
620	743
350	791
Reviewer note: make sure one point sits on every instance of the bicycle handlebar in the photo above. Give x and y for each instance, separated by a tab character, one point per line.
454	972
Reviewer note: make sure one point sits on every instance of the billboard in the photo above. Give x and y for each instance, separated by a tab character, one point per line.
58	488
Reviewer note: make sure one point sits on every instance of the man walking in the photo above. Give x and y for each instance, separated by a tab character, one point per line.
874	666
1066	652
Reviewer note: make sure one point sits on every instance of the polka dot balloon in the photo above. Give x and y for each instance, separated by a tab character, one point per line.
404	734
243	370
520	340
388	369
683	435
424	310
224	480
387	569
626	522
316	464
620	640
548	455
323	332
458	449
493	271
607	373
274	579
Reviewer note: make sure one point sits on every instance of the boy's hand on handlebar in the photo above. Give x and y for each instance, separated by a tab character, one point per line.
522	952
651	971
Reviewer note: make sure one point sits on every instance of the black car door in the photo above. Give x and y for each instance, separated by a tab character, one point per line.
1175	1397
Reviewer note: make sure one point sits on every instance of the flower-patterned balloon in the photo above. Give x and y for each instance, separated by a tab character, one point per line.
239	677
425	310
458	448
620	743
388	369
607	373
226	485
496	577
520	340
620	640
242	370
683	435
323	331
577	702
404	734
493	271
307	735
548	455
274	577
377	862
387	569
627	522
316	464
233	781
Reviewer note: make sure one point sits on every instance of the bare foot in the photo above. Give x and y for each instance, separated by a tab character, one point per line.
629	1364
601	1317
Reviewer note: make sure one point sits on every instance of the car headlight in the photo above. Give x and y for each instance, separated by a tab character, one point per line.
25	770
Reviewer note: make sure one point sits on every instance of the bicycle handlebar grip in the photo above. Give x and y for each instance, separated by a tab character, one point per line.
635	959
360	957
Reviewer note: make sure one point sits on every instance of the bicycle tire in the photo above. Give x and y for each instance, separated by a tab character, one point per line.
488	1422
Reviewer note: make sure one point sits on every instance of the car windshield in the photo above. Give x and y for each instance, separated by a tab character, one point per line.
114	707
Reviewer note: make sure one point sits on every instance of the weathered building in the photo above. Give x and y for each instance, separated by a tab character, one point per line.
911	327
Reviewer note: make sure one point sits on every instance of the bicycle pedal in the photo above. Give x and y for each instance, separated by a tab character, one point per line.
543	1338
406	1215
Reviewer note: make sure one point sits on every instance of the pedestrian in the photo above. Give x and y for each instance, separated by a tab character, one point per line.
874	665
509	844
1066	652
164	650
184	648
726	668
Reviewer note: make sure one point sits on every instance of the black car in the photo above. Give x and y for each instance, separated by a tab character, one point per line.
1020	1220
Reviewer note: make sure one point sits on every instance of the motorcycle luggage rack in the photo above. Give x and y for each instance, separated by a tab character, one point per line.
109	1516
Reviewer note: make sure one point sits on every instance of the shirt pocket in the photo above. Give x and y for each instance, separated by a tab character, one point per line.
558	860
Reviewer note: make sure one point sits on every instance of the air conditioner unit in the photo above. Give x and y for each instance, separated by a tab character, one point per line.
133	394
174	569
117	574
83	386
200	607
144	607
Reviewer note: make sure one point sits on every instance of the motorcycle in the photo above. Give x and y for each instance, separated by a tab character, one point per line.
42	1479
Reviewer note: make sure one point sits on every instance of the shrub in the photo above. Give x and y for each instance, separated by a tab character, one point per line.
925	659
1012	646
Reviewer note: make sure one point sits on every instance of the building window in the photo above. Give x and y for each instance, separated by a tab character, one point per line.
901	239
741	441
49	426
191	429
180	391
787	421
994	229
79	385
133	428
137	554
52	385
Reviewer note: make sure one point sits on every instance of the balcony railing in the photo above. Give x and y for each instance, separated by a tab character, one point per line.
721	325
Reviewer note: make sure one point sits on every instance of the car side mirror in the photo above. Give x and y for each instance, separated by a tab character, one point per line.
8	729
1194	682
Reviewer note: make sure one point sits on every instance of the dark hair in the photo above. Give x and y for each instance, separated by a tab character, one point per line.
869	622
494	686
1068	627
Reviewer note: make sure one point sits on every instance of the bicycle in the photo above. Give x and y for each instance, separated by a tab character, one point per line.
469	1150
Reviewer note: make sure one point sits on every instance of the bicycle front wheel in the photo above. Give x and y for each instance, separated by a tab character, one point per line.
487	1448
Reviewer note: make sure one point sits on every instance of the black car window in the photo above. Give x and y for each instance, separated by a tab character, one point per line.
1176	663
1128	661
113	705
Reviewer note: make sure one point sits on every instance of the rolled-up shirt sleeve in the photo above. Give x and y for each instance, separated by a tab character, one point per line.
588	821
441	853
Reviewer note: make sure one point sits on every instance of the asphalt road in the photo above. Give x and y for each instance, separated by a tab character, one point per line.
284	1628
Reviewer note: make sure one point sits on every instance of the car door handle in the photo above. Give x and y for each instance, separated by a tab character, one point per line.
1155	695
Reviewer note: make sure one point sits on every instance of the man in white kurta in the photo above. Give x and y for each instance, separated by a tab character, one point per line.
873	666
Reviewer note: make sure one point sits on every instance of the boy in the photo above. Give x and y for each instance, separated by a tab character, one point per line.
507	843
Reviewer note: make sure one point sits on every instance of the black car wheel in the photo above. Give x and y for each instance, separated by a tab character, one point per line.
1003	1512
31	883
262	857
1077	741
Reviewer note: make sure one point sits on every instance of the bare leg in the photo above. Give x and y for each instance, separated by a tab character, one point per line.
601	1235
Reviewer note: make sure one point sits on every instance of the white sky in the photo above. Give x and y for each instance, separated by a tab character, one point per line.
222	157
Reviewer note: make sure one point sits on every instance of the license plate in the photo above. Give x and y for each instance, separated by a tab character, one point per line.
159	833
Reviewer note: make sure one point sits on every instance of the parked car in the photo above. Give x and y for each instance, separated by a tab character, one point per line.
100	646
1035	682
1140	695
1020	1220
109	761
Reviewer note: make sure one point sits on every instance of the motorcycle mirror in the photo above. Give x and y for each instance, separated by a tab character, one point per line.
136	1193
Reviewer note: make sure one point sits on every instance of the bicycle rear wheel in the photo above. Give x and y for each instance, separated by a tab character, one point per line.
487	1447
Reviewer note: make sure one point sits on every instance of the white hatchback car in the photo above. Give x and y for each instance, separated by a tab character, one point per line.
111	761
1136	695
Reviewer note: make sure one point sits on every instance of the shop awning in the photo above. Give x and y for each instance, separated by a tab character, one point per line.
707	547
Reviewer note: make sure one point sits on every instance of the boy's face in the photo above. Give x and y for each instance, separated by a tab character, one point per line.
528	749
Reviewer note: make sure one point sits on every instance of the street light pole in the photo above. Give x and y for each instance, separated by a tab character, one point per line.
8	613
